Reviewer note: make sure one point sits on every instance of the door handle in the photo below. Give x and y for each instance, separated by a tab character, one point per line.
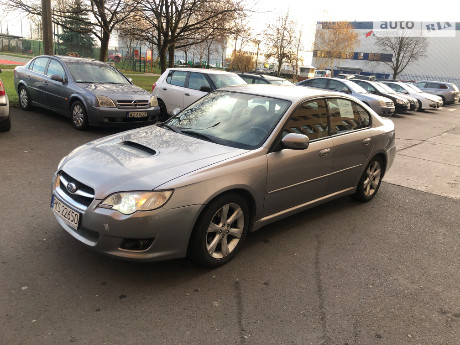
366	141
28	77
324	152
164	89
45	83
187	94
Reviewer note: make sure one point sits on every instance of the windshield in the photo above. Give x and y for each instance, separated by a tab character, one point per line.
386	88
223	80
354	87
233	119
95	73
280	82
413	87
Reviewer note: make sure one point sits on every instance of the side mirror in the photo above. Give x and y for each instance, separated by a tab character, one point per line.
296	141
58	78
130	80
205	89
176	111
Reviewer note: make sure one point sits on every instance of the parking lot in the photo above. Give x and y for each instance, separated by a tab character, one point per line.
384	272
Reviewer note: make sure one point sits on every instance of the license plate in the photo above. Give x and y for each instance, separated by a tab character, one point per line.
70	216
137	114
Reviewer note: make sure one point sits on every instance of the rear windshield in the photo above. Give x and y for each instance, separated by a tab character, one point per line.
223	80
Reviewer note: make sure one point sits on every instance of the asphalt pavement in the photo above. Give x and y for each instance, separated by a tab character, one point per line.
384	272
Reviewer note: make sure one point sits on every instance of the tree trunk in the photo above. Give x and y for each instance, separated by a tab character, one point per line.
162	55
171	51
104	46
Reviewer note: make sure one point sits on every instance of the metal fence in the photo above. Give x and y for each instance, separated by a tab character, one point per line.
417	77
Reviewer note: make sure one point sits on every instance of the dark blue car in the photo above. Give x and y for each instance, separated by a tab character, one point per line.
90	92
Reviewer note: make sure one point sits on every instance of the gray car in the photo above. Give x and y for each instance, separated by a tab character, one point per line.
381	105
236	160
90	92
447	91
5	121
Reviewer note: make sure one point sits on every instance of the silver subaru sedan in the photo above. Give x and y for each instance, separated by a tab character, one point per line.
232	162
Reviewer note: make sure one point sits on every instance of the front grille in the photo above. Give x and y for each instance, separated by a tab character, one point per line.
136	104
389	104
84	195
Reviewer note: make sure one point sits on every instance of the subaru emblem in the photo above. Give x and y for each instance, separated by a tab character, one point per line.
71	187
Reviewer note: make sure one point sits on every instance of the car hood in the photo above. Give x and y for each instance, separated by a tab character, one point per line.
113	90
370	97
142	159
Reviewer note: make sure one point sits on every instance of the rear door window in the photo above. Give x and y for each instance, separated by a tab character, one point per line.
335	85
40	65
177	78
346	116
319	83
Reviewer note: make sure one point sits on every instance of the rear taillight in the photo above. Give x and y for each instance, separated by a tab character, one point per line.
2	89
153	86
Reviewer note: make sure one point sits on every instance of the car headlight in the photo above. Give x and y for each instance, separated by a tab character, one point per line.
61	162
104	101
153	101
400	101
130	202
382	103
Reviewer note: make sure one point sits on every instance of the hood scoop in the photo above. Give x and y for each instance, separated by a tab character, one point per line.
137	149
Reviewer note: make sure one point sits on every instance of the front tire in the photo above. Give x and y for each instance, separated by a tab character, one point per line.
78	116
24	98
220	230
370	180
419	105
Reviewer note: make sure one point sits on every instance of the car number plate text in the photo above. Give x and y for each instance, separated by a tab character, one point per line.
70	216
137	114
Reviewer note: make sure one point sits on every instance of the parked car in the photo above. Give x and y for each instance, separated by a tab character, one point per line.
401	104
345	76
177	88
322	73
413	102
263	79
447	91
90	92
425	100
5	121
235	160
364	77
381	105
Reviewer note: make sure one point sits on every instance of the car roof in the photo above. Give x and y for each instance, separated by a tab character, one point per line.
201	70
288	92
433	81
70	59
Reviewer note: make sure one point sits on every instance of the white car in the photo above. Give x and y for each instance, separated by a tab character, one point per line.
177	88
425	100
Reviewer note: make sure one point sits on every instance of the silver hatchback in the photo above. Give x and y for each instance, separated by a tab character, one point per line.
236	160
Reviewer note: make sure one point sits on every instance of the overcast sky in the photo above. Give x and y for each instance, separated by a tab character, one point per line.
307	13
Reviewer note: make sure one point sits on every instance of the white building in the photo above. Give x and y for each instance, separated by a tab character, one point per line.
442	60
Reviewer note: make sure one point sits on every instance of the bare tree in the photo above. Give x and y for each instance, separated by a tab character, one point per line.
335	41
99	17
279	39
174	24
405	50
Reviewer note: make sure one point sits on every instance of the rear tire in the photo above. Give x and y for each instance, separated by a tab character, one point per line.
163	111
78	116
220	230
370	180
24	98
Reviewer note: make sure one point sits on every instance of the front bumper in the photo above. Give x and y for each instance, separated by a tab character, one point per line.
119	117
401	108
106	231
384	111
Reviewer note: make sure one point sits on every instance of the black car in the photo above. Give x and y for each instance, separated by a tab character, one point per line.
90	92
263	79
401	103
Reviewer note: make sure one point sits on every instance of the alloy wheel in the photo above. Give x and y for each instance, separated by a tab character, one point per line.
372	180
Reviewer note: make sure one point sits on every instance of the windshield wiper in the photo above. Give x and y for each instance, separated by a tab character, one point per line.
199	135
171	128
